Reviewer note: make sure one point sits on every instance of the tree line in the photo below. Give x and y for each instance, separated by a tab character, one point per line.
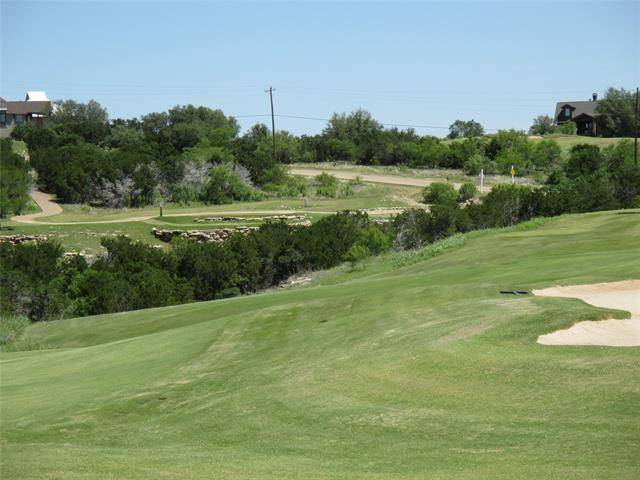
190	153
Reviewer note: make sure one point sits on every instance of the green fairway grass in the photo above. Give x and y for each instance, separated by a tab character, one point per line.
411	366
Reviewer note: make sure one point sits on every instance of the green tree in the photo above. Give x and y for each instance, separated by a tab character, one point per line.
89	120
358	127
15	180
616	113
465	129
545	154
121	136
542	125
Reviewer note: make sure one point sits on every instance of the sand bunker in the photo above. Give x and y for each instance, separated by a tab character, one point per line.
615	333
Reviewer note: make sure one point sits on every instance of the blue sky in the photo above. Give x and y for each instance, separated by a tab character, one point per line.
407	63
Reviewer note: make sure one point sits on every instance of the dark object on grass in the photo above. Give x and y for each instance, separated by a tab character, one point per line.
515	292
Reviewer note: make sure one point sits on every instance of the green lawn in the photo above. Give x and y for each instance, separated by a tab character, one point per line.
566	142
411	368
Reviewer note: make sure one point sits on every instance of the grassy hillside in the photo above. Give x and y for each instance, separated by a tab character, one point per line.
566	142
412	368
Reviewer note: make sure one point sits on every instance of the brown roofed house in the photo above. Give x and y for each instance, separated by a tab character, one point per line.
583	113
34	107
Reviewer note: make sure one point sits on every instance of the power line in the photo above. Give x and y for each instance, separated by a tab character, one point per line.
324	119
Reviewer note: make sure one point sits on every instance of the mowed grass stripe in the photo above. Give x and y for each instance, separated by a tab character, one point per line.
422	371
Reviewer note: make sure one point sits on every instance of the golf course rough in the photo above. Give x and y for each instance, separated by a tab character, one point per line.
421	371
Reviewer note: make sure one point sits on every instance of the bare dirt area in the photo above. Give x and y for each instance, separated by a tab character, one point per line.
369	177
623	295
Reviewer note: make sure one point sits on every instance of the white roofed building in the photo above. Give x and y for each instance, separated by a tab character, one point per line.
35	107
36	97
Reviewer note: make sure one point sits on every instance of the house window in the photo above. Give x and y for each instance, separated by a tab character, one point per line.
567	112
20	118
3	119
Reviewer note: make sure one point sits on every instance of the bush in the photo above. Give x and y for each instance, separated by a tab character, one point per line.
31	279
355	254
11	328
466	192
510	158
326	185
374	239
289	186
15	181
505	205
411	229
439	192
461	151
546	154
568	128
224	186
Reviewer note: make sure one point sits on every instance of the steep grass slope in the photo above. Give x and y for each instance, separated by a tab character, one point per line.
419	371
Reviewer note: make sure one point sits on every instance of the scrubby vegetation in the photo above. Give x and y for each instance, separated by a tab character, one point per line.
15	180
186	154
37	282
190	153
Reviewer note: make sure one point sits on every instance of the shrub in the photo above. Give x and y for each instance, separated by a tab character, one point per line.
326	185
439	192
568	128
411	229
224	186
466	192
510	158
375	239
355	254
31	279
11	328
289	186
15	180
505	205
461	151
545	155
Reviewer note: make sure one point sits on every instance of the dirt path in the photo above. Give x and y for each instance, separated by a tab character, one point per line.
46	204
615	333
370	177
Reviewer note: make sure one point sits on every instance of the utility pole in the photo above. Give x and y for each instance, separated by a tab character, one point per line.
273	122
635	142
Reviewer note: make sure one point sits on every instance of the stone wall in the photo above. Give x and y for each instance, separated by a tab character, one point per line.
218	235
